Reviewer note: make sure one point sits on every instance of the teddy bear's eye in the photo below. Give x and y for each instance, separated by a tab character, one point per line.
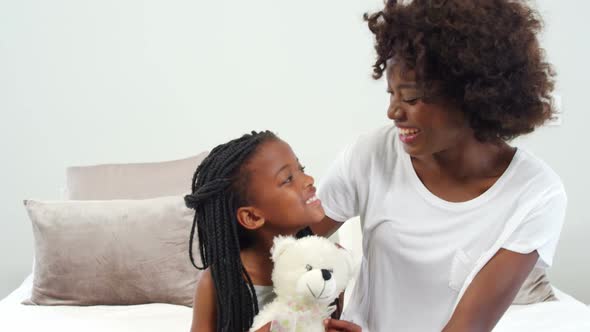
308	267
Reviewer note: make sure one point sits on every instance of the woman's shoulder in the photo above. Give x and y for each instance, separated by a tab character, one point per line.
532	180
372	145
536	171
375	139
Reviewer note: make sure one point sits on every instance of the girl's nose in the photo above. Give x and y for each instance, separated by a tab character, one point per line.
309	181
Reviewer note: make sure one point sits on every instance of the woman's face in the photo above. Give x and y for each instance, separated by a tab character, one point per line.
281	190
424	128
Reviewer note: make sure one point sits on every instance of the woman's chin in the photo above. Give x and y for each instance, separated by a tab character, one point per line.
413	150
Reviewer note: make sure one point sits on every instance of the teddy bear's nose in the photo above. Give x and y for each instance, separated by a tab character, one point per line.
326	274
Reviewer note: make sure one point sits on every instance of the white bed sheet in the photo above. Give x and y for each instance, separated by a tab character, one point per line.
566	315
145	318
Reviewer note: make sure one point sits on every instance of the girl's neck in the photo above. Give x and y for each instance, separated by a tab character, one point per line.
256	259
258	264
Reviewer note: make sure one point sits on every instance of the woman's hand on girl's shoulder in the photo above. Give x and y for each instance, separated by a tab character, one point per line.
265	328
336	325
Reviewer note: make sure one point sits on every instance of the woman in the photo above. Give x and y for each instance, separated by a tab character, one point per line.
453	217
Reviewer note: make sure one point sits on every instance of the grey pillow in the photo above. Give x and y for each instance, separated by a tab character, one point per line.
536	288
116	252
132	181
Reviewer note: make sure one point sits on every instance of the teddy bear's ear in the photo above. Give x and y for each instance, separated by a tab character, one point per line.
281	243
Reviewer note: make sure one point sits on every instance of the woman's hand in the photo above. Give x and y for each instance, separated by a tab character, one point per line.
336	325
265	328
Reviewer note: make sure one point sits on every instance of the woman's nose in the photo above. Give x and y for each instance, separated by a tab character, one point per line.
395	112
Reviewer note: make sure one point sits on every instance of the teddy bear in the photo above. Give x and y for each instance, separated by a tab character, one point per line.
308	275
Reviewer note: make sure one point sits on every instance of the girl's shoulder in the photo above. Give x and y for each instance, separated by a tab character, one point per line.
205	282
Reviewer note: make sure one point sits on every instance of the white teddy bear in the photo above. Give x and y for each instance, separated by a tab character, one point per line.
308	275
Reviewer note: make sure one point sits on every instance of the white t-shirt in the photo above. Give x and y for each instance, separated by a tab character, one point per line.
421	252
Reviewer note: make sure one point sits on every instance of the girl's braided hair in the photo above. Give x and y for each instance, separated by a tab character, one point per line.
218	190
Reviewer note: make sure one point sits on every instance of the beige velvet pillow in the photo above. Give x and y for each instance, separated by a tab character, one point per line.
131	181
115	252
536	288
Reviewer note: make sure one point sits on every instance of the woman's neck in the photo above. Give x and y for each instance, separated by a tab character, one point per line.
470	159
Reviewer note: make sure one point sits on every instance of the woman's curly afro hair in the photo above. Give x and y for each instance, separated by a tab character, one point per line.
482	54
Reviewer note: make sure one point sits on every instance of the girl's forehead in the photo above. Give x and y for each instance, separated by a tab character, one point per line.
271	156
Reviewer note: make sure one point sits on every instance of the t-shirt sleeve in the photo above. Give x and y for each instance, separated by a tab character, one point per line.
541	229
337	189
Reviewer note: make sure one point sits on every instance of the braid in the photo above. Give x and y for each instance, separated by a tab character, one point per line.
217	191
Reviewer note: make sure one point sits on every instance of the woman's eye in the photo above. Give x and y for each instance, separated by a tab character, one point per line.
308	267
411	101
302	169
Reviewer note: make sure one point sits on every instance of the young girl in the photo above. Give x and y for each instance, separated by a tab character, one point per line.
245	193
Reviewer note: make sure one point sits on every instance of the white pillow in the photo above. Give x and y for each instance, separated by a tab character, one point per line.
131	181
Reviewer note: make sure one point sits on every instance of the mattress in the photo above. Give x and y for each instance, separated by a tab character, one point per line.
146	318
565	315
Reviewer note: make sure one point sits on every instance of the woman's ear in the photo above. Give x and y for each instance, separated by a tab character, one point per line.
250	217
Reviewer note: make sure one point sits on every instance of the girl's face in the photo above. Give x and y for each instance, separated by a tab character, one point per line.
280	190
424	128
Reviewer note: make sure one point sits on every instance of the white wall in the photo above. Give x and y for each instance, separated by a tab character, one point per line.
566	148
85	82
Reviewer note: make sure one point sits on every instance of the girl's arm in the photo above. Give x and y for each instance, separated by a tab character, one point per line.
204	305
491	292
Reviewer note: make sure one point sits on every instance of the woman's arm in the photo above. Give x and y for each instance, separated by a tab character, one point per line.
491	292
326	227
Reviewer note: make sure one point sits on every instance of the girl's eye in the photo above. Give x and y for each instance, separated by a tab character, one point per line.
308	267
288	179
302	169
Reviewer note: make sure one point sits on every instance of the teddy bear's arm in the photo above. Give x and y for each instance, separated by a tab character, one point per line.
265	316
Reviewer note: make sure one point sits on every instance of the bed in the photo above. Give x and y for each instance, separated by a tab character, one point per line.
110	187
146	317
565	315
